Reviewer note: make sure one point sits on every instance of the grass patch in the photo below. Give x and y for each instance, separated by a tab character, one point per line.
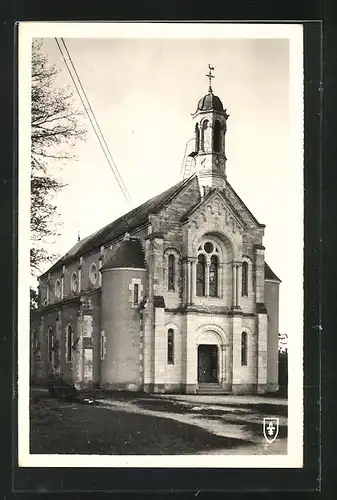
70	428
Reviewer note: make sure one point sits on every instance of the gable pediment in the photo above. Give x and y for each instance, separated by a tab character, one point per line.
217	208
238	205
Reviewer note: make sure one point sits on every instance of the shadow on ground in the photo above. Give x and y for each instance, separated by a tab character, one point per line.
254	428
172	406
69	427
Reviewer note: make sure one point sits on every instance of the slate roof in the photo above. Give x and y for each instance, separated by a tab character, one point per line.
269	274
210	102
120	226
133	255
128	253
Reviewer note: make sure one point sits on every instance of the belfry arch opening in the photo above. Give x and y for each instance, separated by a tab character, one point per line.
203	132
217	136
197	138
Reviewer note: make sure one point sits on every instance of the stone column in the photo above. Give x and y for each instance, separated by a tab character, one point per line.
148	340
185	281
238	282
193	279
234	284
154	335
220	290
259	273
223	378
190	355
189	276
78	359
207	279
159	351
237	331
262	350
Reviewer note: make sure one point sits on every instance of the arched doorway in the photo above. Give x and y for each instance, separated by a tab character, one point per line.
208	362
212	355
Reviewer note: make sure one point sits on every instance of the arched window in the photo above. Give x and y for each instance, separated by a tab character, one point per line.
244	348
171	272
170	346
203	129
135	294
57	288
197	137
217	136
50	344
201	267
213	277
244	279
69	343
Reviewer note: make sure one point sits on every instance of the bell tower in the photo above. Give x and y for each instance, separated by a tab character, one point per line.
210	125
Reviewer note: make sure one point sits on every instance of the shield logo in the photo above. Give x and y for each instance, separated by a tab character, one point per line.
270	428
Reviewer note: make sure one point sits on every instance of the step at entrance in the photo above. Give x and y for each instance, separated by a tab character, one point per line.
210	388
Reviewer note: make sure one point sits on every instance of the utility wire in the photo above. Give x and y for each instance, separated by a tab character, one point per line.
93	121
93	114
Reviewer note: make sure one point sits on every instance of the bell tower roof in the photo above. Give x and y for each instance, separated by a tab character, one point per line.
210	102
208	158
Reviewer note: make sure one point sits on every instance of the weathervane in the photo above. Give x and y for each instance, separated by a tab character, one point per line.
210	76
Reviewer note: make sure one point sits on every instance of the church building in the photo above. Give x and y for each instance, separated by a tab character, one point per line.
174	296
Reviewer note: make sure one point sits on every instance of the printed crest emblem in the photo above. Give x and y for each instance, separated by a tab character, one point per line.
270	428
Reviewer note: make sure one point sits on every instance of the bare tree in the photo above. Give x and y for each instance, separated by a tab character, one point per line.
54	125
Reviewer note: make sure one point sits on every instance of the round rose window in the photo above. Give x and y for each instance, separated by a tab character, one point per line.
93	274
208	247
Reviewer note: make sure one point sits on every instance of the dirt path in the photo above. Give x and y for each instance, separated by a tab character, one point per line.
238	426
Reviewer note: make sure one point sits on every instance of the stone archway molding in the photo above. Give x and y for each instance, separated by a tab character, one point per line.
211	334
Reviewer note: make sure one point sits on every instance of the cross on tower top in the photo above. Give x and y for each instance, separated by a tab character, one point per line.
210	76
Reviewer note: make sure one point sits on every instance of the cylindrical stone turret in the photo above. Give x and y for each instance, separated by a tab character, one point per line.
124	283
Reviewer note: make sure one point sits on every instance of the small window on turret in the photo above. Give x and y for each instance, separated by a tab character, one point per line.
135	294
217	136
203	138
197	138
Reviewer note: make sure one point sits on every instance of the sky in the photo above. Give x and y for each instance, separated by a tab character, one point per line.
143	92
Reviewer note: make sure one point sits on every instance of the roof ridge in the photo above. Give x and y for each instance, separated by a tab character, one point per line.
244	205
133	219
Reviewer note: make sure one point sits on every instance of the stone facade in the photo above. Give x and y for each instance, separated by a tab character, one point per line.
174	297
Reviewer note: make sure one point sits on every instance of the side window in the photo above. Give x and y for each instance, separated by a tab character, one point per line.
50	344
171	272
69	343
74	282
244	348
93	274
170	346
213	276
135	294
244	279
57	289
201	268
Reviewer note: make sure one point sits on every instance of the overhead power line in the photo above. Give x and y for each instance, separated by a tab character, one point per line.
92	118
